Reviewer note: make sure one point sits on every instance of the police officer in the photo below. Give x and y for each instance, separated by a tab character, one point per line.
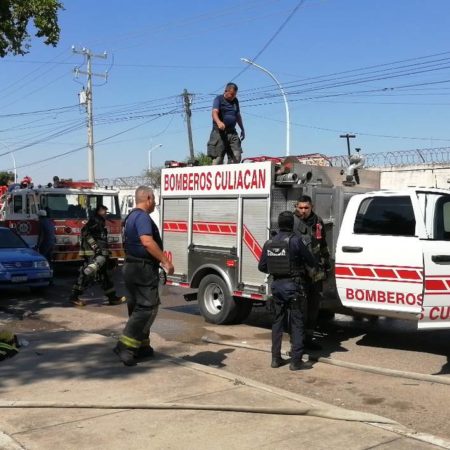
286	258
94	250
311	229
143	255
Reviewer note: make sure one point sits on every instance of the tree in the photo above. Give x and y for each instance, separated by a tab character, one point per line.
5	177
14	19
202	158
154	175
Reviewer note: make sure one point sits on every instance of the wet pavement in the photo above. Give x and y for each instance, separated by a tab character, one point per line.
179	327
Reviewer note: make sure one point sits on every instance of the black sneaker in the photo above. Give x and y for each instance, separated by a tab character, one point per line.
125	354
300	365
145	352
277	362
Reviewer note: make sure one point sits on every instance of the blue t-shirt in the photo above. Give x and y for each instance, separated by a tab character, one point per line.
228	110
137	224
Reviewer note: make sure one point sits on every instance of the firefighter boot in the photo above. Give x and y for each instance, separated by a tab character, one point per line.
114	300
75	300
145	350
125	354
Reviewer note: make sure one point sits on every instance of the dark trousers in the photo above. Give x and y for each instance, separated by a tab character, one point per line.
221	143
142	281
313	297
102	276
287	306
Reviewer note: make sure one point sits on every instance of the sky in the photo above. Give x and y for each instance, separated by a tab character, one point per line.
379	69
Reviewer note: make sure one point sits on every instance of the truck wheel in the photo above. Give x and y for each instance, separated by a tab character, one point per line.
215	301
244	308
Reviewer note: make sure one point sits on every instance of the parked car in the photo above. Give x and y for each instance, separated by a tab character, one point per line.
20	265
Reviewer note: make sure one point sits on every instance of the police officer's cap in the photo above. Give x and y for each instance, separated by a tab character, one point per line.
286	221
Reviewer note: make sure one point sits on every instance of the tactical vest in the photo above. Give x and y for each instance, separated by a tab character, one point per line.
280	262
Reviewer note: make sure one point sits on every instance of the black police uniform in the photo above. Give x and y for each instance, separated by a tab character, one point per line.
288	295
312	232
94	246
141	276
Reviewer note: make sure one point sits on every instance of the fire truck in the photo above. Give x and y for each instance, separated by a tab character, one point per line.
69	204
391	249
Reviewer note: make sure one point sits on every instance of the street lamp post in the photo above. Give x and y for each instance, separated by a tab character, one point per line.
150	155
286	104
14	160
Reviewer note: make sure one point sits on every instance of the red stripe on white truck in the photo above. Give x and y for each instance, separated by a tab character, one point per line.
217	228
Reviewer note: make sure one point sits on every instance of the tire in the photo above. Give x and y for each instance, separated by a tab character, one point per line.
325	315
215	301
244	308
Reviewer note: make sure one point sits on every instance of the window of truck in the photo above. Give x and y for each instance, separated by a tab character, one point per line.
392	216
79	206
438	215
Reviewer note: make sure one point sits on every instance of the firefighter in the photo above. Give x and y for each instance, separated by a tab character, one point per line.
311	229
143	255
94	250
224	139
287	259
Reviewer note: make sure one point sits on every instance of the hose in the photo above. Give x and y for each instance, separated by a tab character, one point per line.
341	414
348	365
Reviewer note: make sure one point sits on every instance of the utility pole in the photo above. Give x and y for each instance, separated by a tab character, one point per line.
187	101
348	137
89	108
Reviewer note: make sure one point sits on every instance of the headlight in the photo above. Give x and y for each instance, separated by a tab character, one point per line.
41	264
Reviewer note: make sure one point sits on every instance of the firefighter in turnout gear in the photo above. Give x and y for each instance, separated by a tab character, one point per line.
94	250
311	229
286	259
143	256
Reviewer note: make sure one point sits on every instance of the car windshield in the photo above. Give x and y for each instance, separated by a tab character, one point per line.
79	206
8	239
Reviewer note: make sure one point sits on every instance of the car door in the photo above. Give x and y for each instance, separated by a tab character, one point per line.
379	264
436	252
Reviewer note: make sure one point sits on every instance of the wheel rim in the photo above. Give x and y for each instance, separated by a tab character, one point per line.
214	298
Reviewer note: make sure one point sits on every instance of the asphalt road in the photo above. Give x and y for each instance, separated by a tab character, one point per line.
391	344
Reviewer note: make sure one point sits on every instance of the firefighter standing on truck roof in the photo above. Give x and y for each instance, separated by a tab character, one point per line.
224	139
311	229
287	259
94	250
143	255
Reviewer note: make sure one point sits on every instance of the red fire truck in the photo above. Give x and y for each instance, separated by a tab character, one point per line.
68	204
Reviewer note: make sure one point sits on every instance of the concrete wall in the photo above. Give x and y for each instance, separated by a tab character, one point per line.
419	175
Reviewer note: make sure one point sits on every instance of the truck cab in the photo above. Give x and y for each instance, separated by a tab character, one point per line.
393	256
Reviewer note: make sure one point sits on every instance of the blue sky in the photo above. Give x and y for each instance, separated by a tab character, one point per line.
156	49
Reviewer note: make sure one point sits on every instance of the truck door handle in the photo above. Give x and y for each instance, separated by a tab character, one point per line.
441	259
348	249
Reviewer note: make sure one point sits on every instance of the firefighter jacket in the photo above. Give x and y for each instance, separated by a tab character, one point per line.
94	237
312	233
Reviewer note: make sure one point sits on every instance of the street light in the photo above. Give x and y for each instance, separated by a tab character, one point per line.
14	160
286	105
150	155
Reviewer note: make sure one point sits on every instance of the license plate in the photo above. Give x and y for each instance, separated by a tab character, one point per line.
19	279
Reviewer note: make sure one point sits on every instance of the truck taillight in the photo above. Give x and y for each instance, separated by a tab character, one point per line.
231	263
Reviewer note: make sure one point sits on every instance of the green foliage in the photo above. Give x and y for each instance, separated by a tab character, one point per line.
5	177
15	16
154	175
202	158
